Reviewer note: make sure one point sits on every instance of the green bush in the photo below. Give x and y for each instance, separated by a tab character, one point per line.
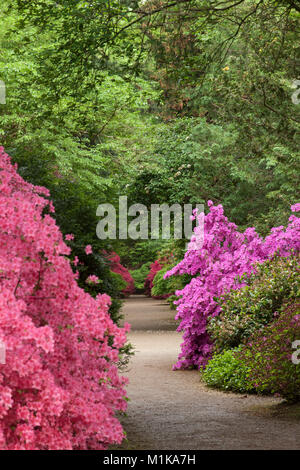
139	275
246	310
171	301
226	372
162	287
268	357
96	264
118	282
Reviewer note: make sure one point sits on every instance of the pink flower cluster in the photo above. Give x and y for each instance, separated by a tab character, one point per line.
117	267
92	279
88	250
59	386
226	254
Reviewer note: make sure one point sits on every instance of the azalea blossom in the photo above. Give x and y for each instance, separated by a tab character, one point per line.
88	250
69	236
56	392
225	255
92	279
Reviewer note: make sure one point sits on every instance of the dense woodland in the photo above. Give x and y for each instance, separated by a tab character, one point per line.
179	101
182	101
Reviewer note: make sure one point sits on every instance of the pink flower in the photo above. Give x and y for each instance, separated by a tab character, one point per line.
295	207
117	267
92	279
57	391
88	250
127	327
69	236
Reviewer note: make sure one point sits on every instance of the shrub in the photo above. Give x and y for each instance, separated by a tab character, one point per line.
269	357
225	255
226	372
263	295
163	288
154	268
139	276
172	301
119	281
59	387
117	267
96	263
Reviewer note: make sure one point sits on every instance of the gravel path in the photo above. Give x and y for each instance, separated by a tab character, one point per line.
174	410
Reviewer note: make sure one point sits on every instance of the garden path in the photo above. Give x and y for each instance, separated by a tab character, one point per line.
173	410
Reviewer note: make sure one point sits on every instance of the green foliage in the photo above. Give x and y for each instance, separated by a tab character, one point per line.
171	301
194	159
233	131
139	275
109	282
120	284
226	372
263	297
268	356
135	253
162	287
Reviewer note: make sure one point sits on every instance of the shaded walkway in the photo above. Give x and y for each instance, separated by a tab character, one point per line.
174	410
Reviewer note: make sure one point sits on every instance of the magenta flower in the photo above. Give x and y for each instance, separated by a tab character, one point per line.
225	255
295	207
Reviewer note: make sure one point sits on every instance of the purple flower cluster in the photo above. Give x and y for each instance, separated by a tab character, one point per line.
226	255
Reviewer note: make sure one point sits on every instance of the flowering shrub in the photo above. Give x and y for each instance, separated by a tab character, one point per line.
154	268
226	254
118	268
165	258
245	311
94	263
268	356
59	387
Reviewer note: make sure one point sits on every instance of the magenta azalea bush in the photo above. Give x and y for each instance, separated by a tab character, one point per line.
59	385
226	255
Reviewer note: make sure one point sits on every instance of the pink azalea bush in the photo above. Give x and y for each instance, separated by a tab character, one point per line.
117	267
59	386
154	269
225	255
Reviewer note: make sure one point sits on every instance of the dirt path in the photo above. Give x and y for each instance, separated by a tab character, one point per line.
174	410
